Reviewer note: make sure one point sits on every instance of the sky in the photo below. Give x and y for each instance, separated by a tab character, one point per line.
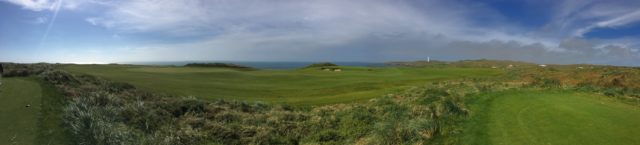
110	31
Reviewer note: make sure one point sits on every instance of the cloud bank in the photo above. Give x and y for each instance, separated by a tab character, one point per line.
359	30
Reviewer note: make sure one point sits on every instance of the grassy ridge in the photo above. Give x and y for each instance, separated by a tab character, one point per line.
552	117
301	87
50	121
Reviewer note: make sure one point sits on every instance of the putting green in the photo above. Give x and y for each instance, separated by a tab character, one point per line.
552	117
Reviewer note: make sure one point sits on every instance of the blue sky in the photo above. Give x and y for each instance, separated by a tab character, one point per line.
104	31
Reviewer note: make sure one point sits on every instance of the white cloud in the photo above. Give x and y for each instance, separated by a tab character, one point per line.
590	15
220	16
35	5
241	28
50	5
620	21
611	23
353	29
323	18
39	20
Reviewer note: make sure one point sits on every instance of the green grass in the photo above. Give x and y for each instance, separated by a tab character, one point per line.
38	124
551	117
298	87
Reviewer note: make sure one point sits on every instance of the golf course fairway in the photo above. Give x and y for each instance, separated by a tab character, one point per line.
19	123
31	113
306	87
552	117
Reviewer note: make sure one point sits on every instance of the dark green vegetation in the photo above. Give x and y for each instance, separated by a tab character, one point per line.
21	70
323	64
31	113
220	65
310	86
533	116
467	102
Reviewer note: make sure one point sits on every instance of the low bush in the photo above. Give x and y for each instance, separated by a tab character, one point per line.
322	64
546	82
23	70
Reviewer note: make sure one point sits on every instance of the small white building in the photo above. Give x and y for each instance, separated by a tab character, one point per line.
331	69
543	65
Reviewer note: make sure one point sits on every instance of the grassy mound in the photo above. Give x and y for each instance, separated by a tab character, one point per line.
220	65
323	64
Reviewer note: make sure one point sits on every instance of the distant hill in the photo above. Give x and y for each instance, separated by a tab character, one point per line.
220	65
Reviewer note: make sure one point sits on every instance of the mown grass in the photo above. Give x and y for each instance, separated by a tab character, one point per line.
529	116
19	123
50	120
40	123
310	86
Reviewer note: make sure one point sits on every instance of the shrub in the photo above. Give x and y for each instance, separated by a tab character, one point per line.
612	92
322	64
546	82
23	70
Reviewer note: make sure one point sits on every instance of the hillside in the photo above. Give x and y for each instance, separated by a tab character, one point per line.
482	63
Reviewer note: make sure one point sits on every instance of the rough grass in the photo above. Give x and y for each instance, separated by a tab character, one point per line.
38	124
104	112
551	117
298	87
